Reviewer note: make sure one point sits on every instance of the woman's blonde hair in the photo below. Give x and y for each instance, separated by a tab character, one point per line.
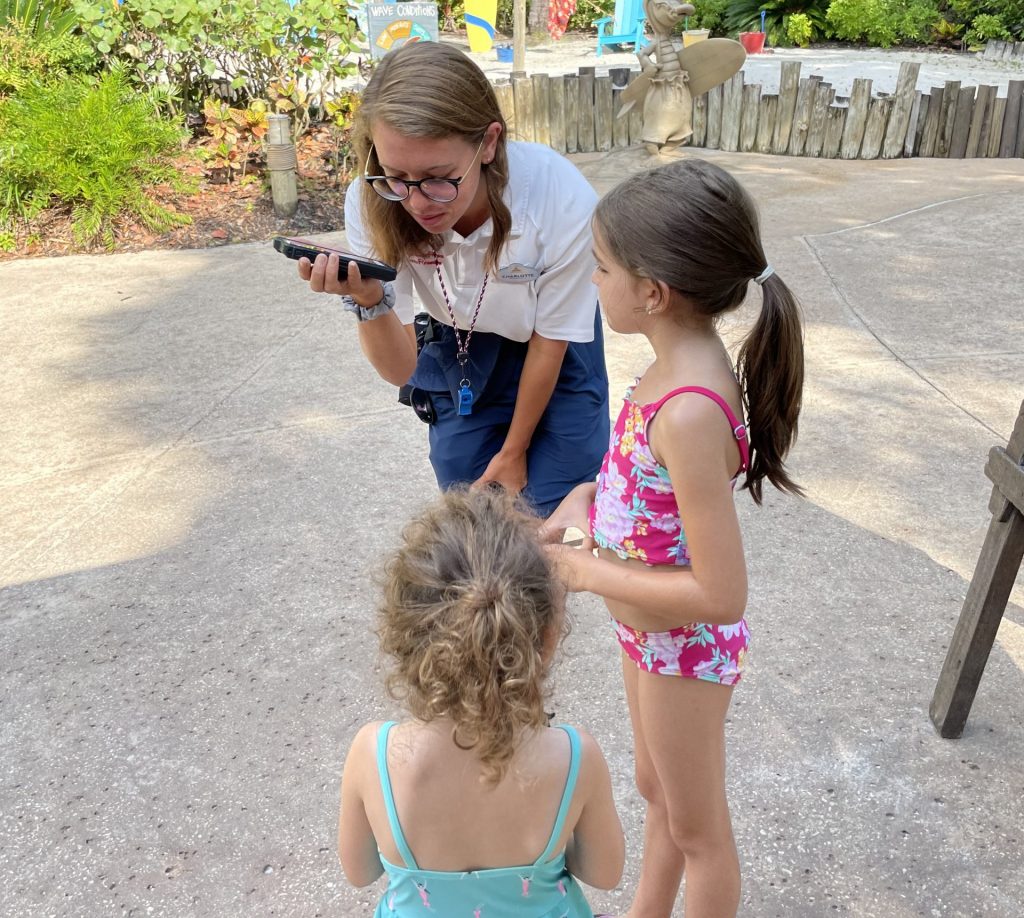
470	615
428	89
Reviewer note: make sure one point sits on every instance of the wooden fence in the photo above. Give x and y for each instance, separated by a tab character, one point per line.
576	113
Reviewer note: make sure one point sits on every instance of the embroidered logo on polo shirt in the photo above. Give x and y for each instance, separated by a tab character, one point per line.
518	274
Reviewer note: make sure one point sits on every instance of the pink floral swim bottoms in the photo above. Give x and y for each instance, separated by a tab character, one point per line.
714	653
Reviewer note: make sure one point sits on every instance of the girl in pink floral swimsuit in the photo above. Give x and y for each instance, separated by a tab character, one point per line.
676	248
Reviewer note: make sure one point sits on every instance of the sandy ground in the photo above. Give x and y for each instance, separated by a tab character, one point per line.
839	66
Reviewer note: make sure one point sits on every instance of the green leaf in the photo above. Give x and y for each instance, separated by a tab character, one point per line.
152	20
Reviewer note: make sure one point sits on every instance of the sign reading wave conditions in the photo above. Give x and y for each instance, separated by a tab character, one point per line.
391	25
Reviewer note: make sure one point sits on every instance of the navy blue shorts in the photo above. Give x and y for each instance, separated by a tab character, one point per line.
570	440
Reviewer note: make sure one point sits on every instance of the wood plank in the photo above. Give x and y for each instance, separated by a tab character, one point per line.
522	90
1008	477
802	115
789	84
856	120
977	136
930	133
915	124
636	116
603	113
1018	149
1011	117
700	120
766	122
995	134
572	112
585	134
541	108
987	595
962	123
714	137
819	119
947	116
834	131
874	130
506	102
732	108
748	116
899	117
556	113
620	126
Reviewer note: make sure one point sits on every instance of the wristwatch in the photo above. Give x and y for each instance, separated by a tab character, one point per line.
366	313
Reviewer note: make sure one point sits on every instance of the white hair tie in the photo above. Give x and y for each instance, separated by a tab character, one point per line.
764	275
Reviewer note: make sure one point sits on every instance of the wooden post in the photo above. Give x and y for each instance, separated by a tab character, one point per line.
732	108
748	116
700	120
962	123
989	590
572	112
603	113
947	116
789	82
585	112
506	102
856	119
930	134
556	113
834	131
917	111
1011	116
874	131
766	122
714	137
620	126
519	36
823	97
542	108
976	145
802	116
899	118
522	93
636	116
995	133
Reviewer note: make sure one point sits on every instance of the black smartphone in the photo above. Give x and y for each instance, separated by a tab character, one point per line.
303	248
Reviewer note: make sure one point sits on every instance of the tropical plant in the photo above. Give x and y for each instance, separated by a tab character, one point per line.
39	17
26	57
206	47
745	16
883	22
92	145
986	27
798	30
235	133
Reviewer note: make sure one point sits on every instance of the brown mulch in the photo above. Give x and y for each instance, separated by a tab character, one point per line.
220	212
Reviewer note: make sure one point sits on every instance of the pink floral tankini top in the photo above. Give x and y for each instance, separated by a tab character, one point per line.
635	513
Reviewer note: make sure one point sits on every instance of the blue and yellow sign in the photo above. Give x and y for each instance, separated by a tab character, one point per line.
391	25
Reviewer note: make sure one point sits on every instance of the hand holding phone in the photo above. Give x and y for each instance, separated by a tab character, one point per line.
303	248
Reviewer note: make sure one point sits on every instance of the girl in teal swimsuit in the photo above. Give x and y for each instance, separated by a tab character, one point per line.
475	807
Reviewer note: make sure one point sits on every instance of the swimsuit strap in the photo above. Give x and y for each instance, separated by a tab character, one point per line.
739	429
570	787
389	797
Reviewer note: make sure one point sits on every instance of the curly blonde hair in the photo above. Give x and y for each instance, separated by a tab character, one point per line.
470	613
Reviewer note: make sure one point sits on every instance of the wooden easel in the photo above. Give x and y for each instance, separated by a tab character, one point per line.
989	591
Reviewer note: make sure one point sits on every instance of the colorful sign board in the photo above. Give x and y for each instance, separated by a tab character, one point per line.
391	25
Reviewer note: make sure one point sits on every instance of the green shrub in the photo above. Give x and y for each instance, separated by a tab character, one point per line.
745	16
26	57
798	30
986	27
39	17
711	16
249	46
883	22
94	145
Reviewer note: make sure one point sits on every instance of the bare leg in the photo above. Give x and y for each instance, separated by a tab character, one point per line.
661	870
680	733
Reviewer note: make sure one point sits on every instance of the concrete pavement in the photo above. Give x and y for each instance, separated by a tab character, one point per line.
199	474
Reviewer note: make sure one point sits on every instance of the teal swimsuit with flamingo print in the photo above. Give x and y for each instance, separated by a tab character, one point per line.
543	889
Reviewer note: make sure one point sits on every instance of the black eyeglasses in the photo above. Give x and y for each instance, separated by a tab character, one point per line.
439	190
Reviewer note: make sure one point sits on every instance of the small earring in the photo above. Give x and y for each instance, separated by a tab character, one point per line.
648	310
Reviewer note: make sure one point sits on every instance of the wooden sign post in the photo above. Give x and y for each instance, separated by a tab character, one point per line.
989	591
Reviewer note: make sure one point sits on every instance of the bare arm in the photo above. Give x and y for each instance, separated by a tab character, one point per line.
357	847
694	446
596	850
543	363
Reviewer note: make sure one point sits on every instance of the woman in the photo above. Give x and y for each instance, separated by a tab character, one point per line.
493	239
